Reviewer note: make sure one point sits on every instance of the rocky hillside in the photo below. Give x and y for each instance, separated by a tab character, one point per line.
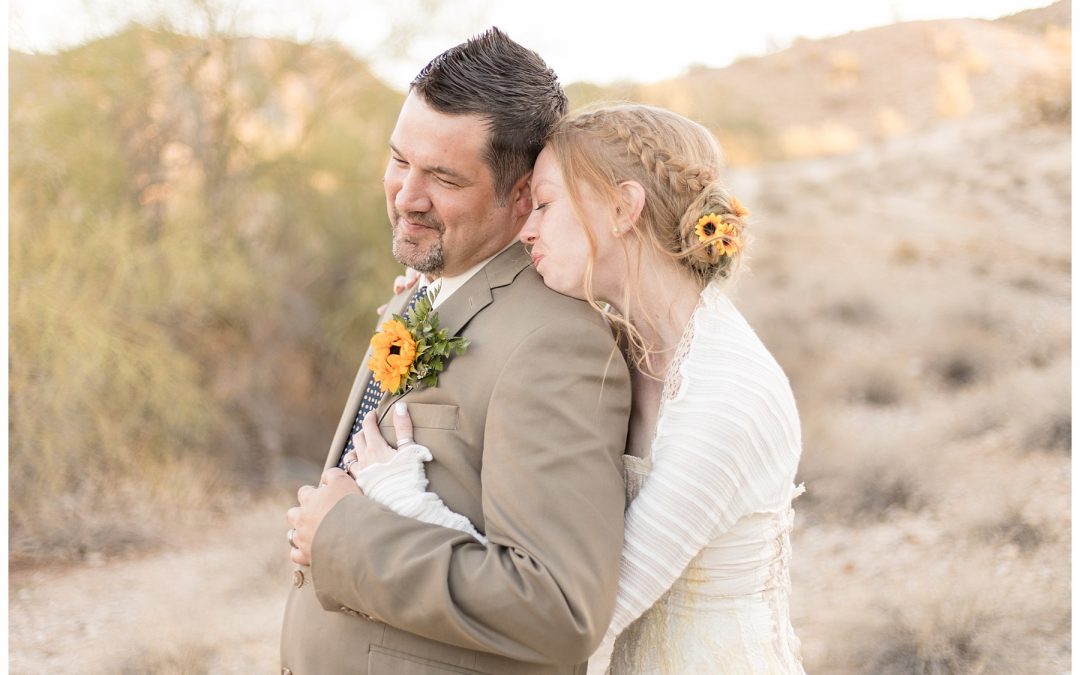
833	96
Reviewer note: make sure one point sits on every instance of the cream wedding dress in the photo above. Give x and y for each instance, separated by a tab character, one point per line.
704	581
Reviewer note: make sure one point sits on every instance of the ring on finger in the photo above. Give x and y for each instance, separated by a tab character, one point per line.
289	536
348	465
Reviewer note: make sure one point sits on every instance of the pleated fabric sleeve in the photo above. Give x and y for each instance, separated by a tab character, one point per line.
727	445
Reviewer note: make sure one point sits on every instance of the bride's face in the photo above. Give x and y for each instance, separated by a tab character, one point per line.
559	244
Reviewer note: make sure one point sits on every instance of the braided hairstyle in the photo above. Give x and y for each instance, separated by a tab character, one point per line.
678	164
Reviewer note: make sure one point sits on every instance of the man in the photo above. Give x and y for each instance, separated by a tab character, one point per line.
527	427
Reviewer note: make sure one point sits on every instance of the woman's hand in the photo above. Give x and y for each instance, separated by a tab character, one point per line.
401	282
369	445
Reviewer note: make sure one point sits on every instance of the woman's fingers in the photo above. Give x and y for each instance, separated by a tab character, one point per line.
377	450
371	447
407	280
303	492
402	424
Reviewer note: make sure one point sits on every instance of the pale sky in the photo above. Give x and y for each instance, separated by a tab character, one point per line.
599	41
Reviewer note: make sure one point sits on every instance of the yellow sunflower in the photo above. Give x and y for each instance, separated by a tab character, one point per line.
711	229
393	352
727	241
708	226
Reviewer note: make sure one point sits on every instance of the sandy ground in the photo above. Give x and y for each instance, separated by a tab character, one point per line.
213	606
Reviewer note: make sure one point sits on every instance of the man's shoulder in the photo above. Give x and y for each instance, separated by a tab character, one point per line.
534	304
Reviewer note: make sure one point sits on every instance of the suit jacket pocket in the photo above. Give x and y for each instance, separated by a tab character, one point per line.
429	416
383	661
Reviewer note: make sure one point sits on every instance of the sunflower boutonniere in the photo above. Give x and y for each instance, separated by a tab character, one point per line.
412	349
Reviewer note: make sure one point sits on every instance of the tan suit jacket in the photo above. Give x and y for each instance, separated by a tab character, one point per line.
527	429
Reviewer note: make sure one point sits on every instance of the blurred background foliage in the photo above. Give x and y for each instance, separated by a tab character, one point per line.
198	244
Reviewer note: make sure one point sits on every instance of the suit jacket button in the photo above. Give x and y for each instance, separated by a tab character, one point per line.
298	578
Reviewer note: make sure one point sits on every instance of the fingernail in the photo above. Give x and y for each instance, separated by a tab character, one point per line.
401	408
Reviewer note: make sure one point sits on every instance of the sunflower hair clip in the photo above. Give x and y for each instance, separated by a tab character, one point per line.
720	237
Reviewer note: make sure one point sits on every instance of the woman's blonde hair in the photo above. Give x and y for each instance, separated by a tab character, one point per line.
678	163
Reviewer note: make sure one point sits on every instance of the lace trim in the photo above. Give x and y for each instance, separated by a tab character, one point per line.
673	381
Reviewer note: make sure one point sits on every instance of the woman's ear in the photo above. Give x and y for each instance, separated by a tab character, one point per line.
632	196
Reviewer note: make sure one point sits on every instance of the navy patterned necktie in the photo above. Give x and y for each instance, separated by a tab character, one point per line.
372	393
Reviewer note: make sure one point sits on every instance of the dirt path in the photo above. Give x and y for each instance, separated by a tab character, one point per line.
212	607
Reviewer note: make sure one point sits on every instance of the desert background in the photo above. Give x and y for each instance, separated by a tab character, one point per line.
198	243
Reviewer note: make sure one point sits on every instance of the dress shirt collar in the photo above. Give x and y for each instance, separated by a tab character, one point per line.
447	285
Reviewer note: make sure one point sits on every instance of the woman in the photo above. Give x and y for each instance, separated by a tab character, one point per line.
630	215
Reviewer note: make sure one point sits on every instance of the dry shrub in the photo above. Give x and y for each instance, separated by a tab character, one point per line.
964	357
958	370
880	389
106	404
108	513
866	375
858	311
170	658
943	638
1016	508
946	612
863	466
948	621
1052	433
1047	99
1031	404
886	488
1013	527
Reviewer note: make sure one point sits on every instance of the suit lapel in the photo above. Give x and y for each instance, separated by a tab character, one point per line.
352	405
468	300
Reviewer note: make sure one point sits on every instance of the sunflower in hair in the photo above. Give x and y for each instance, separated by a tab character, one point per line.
711	229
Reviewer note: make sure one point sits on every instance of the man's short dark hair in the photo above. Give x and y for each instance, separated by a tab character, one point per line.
508	85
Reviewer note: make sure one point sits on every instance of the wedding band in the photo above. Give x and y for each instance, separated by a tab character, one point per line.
289	536
348	464
404	441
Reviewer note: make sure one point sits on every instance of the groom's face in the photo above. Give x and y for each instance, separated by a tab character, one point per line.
440	194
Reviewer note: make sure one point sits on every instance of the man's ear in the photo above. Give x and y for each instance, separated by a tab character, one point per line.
521	197
632	196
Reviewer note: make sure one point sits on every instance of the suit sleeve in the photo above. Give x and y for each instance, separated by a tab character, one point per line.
543	587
